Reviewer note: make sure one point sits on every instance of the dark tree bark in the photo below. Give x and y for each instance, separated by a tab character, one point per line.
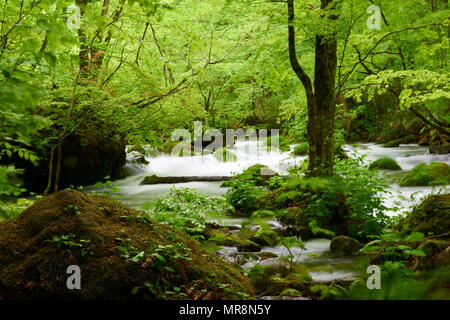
320	97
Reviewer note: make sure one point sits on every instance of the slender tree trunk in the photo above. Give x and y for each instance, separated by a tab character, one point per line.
322	131
320	97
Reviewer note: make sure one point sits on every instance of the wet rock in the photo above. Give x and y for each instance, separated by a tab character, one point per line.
345	245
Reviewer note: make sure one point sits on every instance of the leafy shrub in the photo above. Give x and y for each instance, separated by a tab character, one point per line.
186	209
346	203
245	197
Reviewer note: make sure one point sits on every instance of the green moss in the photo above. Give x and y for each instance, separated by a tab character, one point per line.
385	164
225	155
265	238
436	173
432	216
392	144
110	272
225	238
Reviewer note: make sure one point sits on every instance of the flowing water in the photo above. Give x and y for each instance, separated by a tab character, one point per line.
250	153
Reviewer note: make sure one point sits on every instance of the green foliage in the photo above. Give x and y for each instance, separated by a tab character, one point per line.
10	210
346	203
245	197
187	210
69	240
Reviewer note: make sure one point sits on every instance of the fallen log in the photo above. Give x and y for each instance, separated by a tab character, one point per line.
154	179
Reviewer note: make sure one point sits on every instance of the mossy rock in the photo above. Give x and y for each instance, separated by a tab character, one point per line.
113	246
301	150
385	164
345	245
228	239
432	216
259	174
437	173
225	155
392	144
265	238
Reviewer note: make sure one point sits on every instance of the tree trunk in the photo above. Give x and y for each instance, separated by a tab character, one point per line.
320	97
321	132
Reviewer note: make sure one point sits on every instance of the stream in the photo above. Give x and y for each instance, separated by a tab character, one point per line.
325	264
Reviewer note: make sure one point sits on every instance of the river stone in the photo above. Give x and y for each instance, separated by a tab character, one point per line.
345	245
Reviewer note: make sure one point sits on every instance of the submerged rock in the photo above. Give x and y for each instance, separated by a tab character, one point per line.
120	252
345	245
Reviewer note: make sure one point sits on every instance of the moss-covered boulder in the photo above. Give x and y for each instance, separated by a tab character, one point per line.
345	245
392	144
436	173
122	254
301	150
432	216
258	174
265	238
225	155
224	237
385	164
